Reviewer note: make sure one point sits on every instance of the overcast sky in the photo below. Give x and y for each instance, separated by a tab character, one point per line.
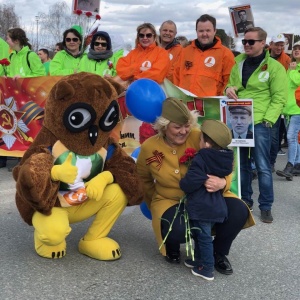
123	16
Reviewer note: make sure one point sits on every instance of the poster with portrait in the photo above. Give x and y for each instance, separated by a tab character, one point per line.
241	18
238	116
289	42
92	6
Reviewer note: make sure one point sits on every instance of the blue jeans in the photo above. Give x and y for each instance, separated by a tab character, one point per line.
261	155
292	137
204	250
275	141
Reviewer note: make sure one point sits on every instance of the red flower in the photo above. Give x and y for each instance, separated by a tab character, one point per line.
4	62
146	131
189	153
88	14
264	67
98	17
78	12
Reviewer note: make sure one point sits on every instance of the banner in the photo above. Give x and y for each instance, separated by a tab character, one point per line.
22	103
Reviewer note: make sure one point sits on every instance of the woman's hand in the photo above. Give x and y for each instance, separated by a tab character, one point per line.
214	183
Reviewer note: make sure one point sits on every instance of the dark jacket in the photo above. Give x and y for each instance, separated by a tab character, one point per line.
202	205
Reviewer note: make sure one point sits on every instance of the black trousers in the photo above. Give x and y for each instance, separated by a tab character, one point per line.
226	232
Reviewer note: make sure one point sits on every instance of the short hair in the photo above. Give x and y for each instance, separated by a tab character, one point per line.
262	35
205	18
161	123
45	51
168	22
146	26
18	34
60	45
242	10
75	32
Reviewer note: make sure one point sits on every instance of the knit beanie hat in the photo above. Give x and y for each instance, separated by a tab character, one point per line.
218	132
175	111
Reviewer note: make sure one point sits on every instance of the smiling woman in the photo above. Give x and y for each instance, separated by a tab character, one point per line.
147	60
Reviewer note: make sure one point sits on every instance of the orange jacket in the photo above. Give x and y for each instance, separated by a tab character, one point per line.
174	54
204	73
152	62
284	59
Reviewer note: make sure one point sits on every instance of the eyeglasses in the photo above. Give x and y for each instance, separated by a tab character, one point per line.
250	42
147	35
75	40
103	44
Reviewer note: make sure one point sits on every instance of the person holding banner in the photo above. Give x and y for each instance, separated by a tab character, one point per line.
259	77
100	59
203	67
147	60
159	158
66	62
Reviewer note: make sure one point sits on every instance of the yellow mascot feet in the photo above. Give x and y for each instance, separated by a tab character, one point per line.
49	251
101	249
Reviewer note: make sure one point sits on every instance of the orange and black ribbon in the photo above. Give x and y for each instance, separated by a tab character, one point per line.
157	157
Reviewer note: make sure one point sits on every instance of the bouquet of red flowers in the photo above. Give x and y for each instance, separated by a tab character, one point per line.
4	62
189	153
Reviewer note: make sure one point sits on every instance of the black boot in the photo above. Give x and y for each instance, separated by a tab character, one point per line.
287	172
296	170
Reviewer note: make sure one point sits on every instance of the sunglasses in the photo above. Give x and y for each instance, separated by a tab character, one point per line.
250	42
147	35
103	44
75	40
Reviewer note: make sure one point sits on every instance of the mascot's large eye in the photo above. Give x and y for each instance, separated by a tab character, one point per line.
110	118
79	116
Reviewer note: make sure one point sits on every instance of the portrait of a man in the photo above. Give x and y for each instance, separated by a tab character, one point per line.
243	23
240	118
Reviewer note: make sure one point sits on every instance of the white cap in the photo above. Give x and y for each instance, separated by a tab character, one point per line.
296	44
278	38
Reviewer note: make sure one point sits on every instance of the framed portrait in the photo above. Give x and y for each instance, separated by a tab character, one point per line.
238	116
92	6
289	42
241	19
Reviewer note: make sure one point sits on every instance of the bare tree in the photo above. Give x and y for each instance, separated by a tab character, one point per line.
8	18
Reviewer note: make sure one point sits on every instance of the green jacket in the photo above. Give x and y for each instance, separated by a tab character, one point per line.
4	53
25	66
267	86
291	107
101	68
63	64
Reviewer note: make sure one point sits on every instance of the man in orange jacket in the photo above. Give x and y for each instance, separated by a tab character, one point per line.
168	31
276	50
204	66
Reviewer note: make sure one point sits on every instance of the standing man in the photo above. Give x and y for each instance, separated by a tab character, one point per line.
204	66
44	56
276	50
168	31
242	26
259	77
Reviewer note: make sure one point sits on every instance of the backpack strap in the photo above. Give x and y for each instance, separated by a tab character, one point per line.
27	58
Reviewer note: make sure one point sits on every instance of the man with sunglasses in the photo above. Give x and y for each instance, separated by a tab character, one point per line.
259	77
204	66
168	31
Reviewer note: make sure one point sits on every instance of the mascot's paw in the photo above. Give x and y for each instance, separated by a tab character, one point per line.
49	251
102	249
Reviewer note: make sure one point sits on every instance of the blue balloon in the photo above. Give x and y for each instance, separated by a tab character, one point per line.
136	153
145	211
144	98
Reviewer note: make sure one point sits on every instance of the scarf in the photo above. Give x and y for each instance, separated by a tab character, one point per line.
103	55
205	47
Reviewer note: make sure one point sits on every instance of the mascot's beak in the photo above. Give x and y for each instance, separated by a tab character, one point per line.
93	134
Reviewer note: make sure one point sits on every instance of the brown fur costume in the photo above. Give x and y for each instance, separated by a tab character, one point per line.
35	189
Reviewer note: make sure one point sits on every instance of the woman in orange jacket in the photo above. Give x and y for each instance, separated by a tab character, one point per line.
147	60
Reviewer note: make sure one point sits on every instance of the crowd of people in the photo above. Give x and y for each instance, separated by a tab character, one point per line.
204	67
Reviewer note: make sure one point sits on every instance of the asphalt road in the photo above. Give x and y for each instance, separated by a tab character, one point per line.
265	258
